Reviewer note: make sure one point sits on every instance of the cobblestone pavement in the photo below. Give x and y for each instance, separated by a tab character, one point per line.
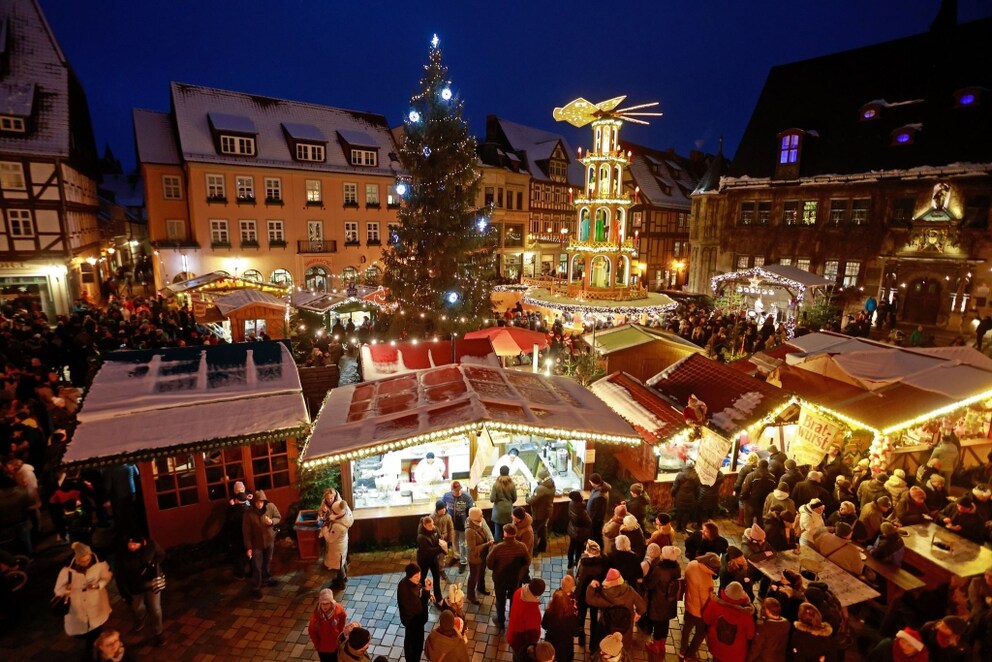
210	615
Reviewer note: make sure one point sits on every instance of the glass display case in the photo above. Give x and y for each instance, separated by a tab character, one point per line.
408	476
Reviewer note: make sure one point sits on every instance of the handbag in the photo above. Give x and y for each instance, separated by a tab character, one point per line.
157	583
60	603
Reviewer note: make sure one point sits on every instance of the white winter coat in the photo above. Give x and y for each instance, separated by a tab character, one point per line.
810	525
335	533
89	605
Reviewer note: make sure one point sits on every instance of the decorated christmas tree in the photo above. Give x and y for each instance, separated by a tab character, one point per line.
440	261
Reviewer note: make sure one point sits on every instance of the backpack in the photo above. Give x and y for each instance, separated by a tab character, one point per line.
726	632
617	619
675	591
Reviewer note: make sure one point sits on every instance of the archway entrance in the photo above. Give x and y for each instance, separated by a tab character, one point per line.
600	273
922	304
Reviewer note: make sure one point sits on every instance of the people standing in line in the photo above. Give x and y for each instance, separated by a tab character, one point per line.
503	495
541	504
411	601
750	464
524	524
259	531
592	566
480	542
598	505
237	506
779	497
446	643
327	621
459	503
509	560
561	620
138	564
619	605
756	488
699	576
792	475
637	504
430	548
624	560
631	528
611	529
445	528
579	527
664	533
729	619
524	627
708	500
334	530
84	584
662	575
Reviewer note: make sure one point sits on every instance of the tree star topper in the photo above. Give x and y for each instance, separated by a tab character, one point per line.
580	112
435	41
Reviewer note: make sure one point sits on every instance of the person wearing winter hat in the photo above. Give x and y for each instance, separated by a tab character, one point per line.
411	602
780	530
354	647
445	527
334	531
619	604
259	531
873	514
631	528
872	489
598	505
906	646
809	489
137	563
983	501
611	529
326	625
771	637
445	642
962	518
889	548
479	540
811	639
778	497
811	522
592	566
698	590
792	475
611	649
755	545
731	608
509	560
837	548
735	568
524	626
579	527
84	584
843	490
430	548
942	638
625	560
661	576
912	507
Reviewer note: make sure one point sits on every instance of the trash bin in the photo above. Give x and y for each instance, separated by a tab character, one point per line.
307	535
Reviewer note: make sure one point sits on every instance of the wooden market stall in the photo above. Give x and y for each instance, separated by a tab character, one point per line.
252	313
468	416
195	420
639	351
777	290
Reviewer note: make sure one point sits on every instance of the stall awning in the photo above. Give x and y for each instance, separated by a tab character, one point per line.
219	282
149	403
416	408
626	336
384	360
362	297
230	303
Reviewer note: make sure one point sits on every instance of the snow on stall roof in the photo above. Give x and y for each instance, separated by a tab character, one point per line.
364	415
228	303
647	410
142	402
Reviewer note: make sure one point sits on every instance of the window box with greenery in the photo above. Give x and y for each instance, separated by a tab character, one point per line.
249	243
392	205
217	198
220	244
277	243
246	199
274	201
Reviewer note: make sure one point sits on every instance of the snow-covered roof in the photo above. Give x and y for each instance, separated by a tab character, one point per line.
457	399
801	276
228	303
618	338
651	415
153	138
658	186
538	145
220	280
266	117
148	403
383	360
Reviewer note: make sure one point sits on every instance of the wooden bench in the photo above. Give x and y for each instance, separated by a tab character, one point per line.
897	580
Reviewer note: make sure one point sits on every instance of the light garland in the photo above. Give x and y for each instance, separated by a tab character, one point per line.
600	310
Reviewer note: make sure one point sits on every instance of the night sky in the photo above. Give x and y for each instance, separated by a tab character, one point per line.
704	60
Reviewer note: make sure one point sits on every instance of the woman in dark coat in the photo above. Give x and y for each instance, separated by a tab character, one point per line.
579	527
561	620
684	492
708	500
661	575
735	568
592	565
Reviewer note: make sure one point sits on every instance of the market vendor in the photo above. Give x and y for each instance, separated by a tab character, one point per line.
517	466
429	471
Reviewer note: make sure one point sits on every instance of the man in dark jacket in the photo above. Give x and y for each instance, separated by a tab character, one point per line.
792	475
541	504
430	547
706	539
834	464
757	486
809	489
411	600
597	505
137	565
776	461
237	506
637	504
685	491
509	560
259	532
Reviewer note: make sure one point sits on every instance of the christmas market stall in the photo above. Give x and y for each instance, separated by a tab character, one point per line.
639	351
381	359
781	291
195	420
400	441
199	292
355	303
251	314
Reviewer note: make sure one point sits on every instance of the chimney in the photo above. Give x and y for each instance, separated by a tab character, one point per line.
947	17
695	155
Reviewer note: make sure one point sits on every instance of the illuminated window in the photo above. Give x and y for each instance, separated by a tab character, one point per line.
743	262
281	277
852	270
838	211
270	465
254	275
759	260
789	148
747	213
830	268
175	481
224	467
316	279
245	187
764	212
351	232
803	263
790	212
786	261
902	210
859	211
371	195
809	212
313	191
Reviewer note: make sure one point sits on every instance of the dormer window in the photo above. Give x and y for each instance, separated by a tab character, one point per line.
237	145
360	148
234	134
306	142
789	147
12	124
557	170
306	152
968	97
363	157
906	135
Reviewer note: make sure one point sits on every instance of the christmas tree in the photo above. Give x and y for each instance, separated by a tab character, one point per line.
440	261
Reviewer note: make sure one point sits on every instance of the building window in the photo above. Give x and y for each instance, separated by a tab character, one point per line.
764	212
349	274
305	152
218	232
786	261
976	211
12	124
636	218
280	277
759	260
313	191
490	196
372	233
557	171
852	269
830	269
902	210
809	212
253	275
747	213
237	145
509	199
215	187
11	176
683	220
789	148
520	199
175	481
245	187
350	194
513	235
838	212
394	233
351	232
859	211
371	195
20	222
172	187
316	279
175	229
364	157
273	189
790	212
743	262
499	197
803	263
276	232
249	232
392	197
224	467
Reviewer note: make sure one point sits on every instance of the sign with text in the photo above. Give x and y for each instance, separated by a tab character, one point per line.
712	450
814	434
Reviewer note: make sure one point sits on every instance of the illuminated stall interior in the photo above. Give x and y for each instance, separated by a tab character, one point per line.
776	289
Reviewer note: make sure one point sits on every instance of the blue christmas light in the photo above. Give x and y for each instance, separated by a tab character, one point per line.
414	116
481	224
401	188
967	99
446	94
452	297
426	151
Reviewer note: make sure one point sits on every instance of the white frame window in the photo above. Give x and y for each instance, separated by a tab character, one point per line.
743	262
372	232
175	229
249	231
313	190
240	145
273	188
364	157
746	216
350	193
21	223
351	232
12	176
309	152
852	271
12	124
372	195
789	148
172	187
802	263
838	211
392	197
790	212
759	260
216	187
276	231
831	269
785	261
245	186
218	231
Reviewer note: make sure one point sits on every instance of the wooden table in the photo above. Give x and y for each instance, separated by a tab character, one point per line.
848	589
965	559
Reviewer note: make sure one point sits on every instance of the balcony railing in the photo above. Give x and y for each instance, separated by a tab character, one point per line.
317	246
